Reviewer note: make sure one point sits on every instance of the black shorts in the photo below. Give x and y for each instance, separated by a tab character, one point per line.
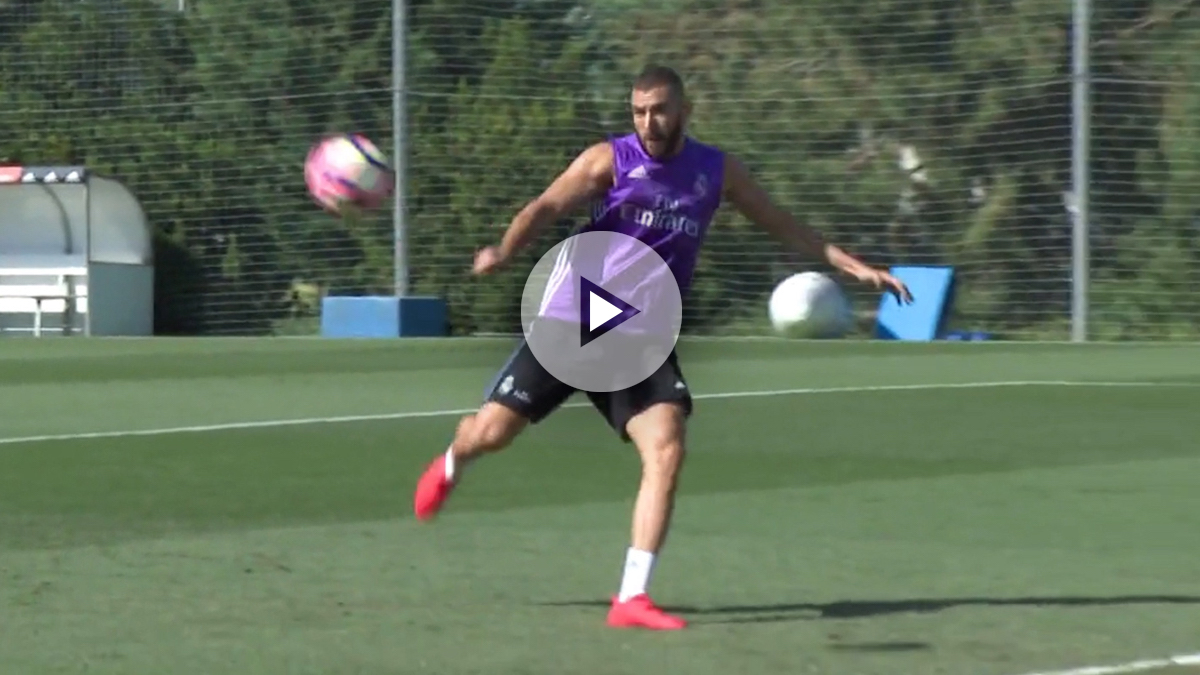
524	386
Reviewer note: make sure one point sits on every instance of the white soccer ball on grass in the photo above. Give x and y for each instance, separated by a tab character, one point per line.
810	305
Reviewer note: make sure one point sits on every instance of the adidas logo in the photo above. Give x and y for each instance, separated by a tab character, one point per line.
637	173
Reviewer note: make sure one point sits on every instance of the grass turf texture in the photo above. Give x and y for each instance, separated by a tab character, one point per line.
985	531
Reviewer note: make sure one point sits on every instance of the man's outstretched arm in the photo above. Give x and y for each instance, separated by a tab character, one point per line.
752	201
586	178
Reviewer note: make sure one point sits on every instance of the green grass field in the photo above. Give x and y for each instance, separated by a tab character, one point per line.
984	509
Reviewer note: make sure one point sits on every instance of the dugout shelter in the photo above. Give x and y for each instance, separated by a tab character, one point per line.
76	255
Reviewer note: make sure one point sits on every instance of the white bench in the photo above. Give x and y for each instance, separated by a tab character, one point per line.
39	291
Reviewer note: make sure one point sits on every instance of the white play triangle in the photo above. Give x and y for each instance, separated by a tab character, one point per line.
600	311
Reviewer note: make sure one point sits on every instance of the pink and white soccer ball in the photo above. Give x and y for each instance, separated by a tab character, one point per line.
347	170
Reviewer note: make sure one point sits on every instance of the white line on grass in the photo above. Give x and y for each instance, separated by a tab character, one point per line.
265	424
1139	666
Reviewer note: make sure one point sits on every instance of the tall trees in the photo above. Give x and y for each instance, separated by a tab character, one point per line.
207	115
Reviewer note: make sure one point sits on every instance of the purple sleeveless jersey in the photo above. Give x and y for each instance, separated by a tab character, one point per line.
666	205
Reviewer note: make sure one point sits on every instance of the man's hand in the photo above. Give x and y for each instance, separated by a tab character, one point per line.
587	177
882	280
488	260
877	278
754	203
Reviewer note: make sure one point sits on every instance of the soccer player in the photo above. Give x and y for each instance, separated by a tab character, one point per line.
694	178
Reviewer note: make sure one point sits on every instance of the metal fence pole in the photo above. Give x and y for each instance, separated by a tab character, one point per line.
399	159
1081	109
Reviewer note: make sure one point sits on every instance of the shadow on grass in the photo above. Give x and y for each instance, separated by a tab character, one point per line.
861	609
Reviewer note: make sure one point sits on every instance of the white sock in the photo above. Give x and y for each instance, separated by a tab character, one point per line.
639	565
450	464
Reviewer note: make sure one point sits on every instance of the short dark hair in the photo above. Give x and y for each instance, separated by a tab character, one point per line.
658	76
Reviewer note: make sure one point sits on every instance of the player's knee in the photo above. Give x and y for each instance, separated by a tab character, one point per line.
662	458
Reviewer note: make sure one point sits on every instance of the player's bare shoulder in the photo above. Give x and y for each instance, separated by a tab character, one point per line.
599	163
587	177
737	178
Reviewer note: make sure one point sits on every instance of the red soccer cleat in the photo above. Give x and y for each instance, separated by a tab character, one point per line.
432	489
640	612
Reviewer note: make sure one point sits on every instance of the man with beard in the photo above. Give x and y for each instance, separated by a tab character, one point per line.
661	187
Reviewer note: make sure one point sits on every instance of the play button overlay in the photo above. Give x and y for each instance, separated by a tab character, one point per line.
601	311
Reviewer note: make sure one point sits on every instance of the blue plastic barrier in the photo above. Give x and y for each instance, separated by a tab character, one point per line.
933	293
382	317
